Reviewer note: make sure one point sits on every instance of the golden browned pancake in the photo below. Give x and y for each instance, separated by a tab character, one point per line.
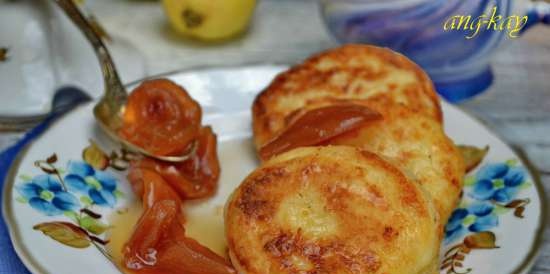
418	144
349	72
331	210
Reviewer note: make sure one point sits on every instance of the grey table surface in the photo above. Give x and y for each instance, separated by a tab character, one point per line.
517	106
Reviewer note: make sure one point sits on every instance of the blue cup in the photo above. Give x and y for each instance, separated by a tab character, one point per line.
455	54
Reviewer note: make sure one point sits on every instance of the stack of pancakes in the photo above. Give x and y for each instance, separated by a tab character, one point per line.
374	200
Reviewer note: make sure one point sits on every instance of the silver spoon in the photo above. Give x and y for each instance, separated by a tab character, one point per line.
108	111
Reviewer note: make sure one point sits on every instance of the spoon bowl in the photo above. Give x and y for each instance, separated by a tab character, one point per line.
109	111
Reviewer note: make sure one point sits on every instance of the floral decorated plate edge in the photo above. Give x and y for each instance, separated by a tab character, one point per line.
530	258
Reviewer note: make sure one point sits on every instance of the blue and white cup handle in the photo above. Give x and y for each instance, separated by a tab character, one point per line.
538	12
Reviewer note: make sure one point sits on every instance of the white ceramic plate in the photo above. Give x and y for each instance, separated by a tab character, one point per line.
502	205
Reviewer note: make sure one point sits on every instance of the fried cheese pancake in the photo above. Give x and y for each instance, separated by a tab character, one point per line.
418	144
331	210
350	72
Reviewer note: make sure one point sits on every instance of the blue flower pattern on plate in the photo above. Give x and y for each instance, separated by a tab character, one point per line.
477	217
75	192
490	189
497	182
99	185
54	195
45	194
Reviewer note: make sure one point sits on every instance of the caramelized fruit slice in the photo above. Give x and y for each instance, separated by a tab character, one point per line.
158	244
203	167
150	186
319	125
161	118
142	249
194	178
185	255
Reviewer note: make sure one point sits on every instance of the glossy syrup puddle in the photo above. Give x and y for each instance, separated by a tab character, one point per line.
208	229
123	222
204	218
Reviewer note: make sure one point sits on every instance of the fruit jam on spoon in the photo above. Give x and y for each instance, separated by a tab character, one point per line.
162	118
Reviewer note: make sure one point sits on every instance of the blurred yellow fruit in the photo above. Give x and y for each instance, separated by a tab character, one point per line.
209	19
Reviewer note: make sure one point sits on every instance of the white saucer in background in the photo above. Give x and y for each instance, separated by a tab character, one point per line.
46	51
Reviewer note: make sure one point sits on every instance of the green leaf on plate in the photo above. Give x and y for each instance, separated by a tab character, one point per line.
481	240
472	155
525	185
511	162
93	226
61	170
469	180
94	156
25	177
118	194
65	233
500	210
72	215
87	201
21	200
463	204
